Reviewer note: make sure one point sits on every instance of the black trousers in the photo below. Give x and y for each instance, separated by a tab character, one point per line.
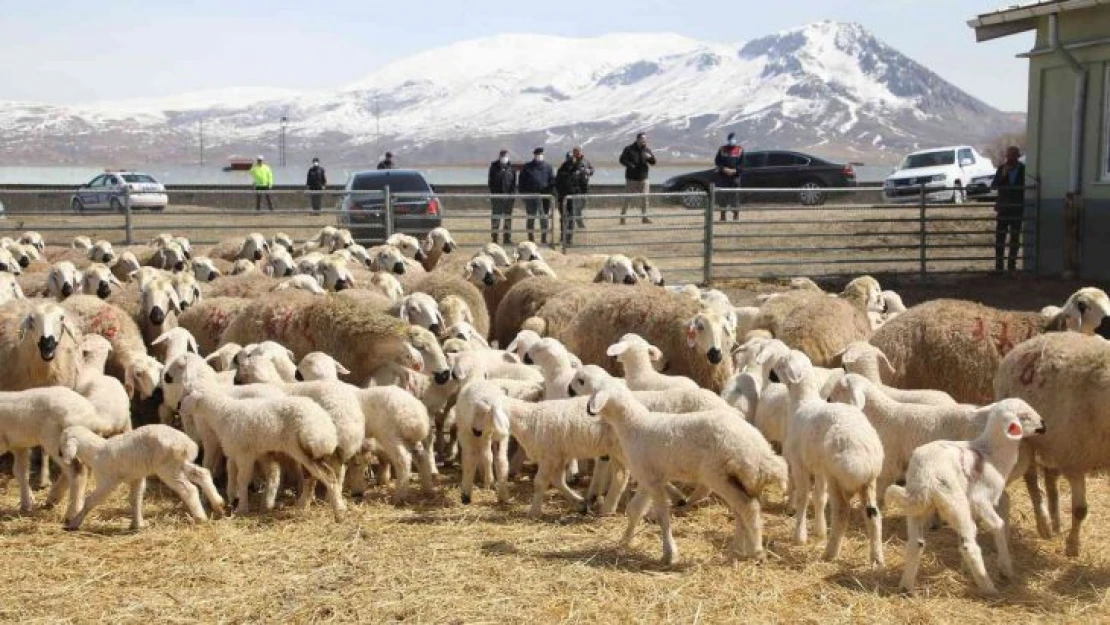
570	215
259	193
316	198
1008	223
537	208
502	222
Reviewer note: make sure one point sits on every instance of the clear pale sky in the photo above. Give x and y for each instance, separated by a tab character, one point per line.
69	51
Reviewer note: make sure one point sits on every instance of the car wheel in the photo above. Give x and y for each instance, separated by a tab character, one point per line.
116	206
158	209
812	193
959	194
77	206
694	195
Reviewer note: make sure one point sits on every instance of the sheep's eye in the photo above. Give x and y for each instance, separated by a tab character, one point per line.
168	378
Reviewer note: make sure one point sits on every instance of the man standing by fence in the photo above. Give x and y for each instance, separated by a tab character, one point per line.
636	158
572	183
537	177
316	181
387	162
502	181
263	178
1009	208
729	162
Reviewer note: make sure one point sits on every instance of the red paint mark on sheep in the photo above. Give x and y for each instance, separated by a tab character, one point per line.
105	323
1029	368
979	332
1003	342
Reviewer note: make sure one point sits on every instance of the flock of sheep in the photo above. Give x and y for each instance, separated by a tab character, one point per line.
324	363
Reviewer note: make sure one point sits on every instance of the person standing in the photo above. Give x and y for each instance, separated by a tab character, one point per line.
502	181
1009	208
572	183
316	181
263	178
387	162
729	163
537	177
636	158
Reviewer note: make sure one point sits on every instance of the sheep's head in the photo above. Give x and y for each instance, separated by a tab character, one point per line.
256	368
81	243
342	240
408	245
23	255
158	300
34	239
171	257
438	240
47	326
455	345
527	250
588	380
8	263
254	247
420	309
94	351
630	345
523	341
161	240
388	285
145	275
548	354
482	271
710	334
204	269
865	293
455	310
224	358
178	341
464	331
861	356
646	270
144	376
188	289
98	280
63	280
850	389
1086	309
430	352
243	267
610	400
280	264
102	252
334	275
791	367
497	253
181	376
283	240
1013	419
617	270
127	264
306	283
390	259
359	254
319	366
186	246
803	283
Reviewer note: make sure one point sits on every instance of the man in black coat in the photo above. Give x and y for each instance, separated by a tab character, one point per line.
537	177
316	181
572	182
502	181
1009	208
387	162
729	163
636	158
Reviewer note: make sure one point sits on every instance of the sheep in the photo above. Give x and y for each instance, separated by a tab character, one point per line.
8	263
646	271
408	245
177	341
81	243
962	480
956	346
436	243
455	310
208	319
868	361
126	265
243	267
554	364
387	285
101	252
482	272
169	257
497	253
39	346
713	449
279	264
106	393
1062	376
275	353
9	289
34	239
319	366
389	258
422	310
23	255
636	356
305	283
836	446
150	450
814	323
98	280
223	359
522	301
617	270
467	333
158	308
92	315
62	280
440	286
188	289
526	251
254	247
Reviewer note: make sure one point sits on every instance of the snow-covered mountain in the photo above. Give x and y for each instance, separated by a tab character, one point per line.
828	88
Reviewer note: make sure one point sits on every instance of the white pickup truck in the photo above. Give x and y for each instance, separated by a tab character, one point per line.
949	174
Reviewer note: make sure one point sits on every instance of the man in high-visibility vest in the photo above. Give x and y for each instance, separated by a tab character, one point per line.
263	178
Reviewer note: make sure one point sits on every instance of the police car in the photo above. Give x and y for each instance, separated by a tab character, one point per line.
109	191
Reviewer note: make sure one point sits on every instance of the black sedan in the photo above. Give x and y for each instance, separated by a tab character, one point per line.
416	209
775	169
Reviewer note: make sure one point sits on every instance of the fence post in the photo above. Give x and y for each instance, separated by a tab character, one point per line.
565	209
707	244
128	239
921	231
387	208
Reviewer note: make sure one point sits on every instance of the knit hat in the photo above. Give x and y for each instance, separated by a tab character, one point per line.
503	152
537	151
731	136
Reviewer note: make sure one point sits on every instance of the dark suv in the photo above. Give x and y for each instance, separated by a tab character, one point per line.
774	169
416	209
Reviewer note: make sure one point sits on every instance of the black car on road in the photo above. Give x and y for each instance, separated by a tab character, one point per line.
416	209
771	169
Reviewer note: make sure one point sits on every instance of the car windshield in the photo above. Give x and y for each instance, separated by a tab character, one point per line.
139	178
398	183
930	159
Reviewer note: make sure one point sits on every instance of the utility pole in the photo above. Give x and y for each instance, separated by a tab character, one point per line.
200	135
281	146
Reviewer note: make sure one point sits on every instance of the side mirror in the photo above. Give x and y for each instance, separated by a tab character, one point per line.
432	187
966	162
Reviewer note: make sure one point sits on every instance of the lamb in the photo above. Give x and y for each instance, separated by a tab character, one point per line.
956	346
836	446
636	356
319	366
102	252
961	480
306	283
436	243
107	394
23	255
866	360
63	280
177	341
150	450
1062	376
98	280
713	449
223	359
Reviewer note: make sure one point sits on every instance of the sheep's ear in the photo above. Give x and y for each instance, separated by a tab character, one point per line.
417	359
887	366
28	323
404	313
193	347
129	383
1073	317
511	358
175	301
341	370
161	338
616	349
795	369
654	353
68	449
512	346
498	275
500	420
598	401
692	334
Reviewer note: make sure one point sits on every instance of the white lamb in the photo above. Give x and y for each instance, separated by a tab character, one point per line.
554	364
319	366
176	341
869	361
105	392
962	480
132	457
223	359
636	356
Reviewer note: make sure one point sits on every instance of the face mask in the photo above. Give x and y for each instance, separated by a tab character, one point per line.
539	158
504	160
315	163
732	141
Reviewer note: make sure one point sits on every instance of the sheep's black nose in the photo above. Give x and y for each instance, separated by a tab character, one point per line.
103	290
488	280
477	433
442	377
528	359
1041	430
23	262
399	267
157	316
342	285
714	355
212	275
662	282
434	329
288	271
157	397
109	258
571	392
179	266
258	254
48	347
67	289
448	248
297	376
239	381
774	377
629	280
420	255
4	267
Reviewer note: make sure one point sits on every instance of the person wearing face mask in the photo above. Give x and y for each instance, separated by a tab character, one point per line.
502	181
636	158
729	162
537	177
387	162
572	182
316	181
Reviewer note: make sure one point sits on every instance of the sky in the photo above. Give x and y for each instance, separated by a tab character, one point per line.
71	52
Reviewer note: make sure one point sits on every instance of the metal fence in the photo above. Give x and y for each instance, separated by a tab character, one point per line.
718	234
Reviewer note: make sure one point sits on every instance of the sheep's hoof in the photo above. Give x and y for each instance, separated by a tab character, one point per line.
583	507
669	558
70	527
682	503
989	591
26	508
466	499
907	591
137	526
1072	549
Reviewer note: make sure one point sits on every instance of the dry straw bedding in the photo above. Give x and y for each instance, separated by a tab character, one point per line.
438	561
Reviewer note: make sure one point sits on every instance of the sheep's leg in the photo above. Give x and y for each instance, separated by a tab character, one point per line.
1078	482
635	511
801	502
1040	512
675	494
203	479
501	471
273	485
485	465
600	480
571	473
138	489
321	470
986	512
958	515
1052	493
915	545
429	448
401	460
841	509
516	463
44	469
425	466
696	496
57	489
873	521
179	483
102	492
568	492
78	479
22	469
469	467
662	507
539	487
749	522
618	484
242	483
820	501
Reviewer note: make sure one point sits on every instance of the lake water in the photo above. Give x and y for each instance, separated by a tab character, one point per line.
213	175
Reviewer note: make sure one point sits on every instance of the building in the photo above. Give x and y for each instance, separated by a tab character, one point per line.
1068	149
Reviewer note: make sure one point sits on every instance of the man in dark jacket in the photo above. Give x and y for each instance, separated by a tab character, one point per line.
387	162
502	181
316	182
572	182
1009	208
537	177
729	162
636	158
